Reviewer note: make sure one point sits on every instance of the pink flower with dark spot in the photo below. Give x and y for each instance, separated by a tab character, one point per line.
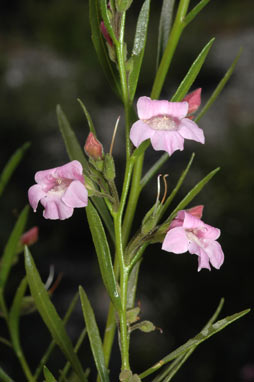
165	124
188	233
59	190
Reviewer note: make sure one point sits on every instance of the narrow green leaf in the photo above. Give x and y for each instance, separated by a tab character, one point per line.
103	254
10	248
177	187
11	166
172	369
138	48
195	341
88	117
123	5
195	11
219	87
100	47
52	344
48	375
192	73
49	314
15	316
164	27
189	197
71	143
75	152
105	14
94	336
4	377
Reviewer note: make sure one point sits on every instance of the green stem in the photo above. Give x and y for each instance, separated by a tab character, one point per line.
124	335
110	328
174	37
133	198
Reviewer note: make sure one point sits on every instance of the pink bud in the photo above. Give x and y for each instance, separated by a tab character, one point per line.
30	237
196	211
105	33
93	147
194	100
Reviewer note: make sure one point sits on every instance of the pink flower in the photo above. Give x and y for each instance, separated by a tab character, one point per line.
194	100
164	123
188	233
59	190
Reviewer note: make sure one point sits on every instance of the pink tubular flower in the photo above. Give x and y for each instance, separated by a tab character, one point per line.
164	123
188	233
59	190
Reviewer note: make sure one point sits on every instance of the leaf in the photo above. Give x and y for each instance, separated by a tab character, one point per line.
100	47
74	151
123	5
105	14
88	117
219	87
195	11
11	166
71	143
94	336
164	27
172	369
49	314
192	73
195	341
189	197
138	48
4	377
15	316
103	254
48	375
10	248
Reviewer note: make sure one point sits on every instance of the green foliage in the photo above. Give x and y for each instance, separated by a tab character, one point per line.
164	27
49	314
192	73
12	165
206	333
4	377
138	49
10	248
103	254
48	375
94	336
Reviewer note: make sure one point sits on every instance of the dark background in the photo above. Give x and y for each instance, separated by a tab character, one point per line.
47	58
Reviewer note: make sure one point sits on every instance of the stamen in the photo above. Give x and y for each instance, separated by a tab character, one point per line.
114	135
165	188
50	277
158	189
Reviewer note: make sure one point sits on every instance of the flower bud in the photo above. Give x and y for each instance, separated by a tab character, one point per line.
30	237
109	167
93	147
196	211
194	100
106	34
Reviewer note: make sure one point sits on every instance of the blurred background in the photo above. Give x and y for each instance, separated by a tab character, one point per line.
47	58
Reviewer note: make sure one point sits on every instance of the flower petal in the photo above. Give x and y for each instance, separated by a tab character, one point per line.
169	141
190	130
56	209
71	170
148	108
203	259
215	254
140	131
194	100
35	194
175	241
76	195
191	222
